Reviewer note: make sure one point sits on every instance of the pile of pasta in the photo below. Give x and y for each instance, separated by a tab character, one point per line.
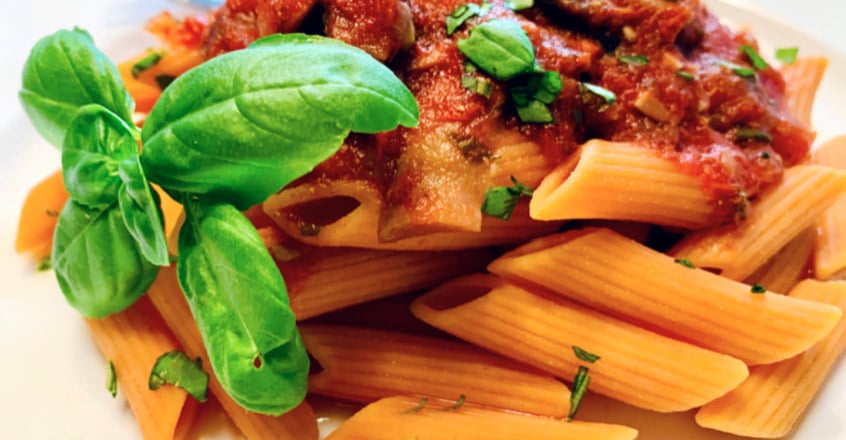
738	323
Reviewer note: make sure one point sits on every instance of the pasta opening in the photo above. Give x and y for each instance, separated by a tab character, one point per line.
321	212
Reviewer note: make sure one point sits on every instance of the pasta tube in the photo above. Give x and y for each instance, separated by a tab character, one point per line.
399	417
830	255
613	274
364	365
636	366
769	403
802	78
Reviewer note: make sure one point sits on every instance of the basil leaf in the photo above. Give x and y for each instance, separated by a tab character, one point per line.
580	386
64	72
787	55
499	47
500	201
757	62
240	303
585	355
95	142
142	213
461	14
97	262
242	125
519	5
111	379
177	369
600	91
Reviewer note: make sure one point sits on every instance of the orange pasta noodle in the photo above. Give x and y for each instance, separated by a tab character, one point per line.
323	279
770	402
636	366
364	365
399	418
39	215
515	155
802	79
780	214
133	340
616	275
830	255
298	424
788	266
623	181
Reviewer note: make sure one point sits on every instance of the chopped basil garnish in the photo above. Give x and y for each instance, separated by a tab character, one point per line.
757	288
44	264
685	262
685	74
745	72
534	93
111	379
458	403
600	91
585	355
499	47
519	5
476	84
757	62
149	60
754	134
580	386
177	369
500	201
463	13
787	55
635	60
420	405
765	155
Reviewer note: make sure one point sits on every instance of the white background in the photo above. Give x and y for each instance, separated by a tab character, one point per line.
50	383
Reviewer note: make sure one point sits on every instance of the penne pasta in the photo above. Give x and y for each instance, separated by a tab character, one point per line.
779	215
830	254
636	366
770	402
364	365
613	274
802	78
133	340
399	418
605	180
321	280
788	266
298	424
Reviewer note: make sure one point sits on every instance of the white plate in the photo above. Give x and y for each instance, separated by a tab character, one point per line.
53	376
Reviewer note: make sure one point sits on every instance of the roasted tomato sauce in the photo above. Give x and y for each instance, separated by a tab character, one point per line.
680	77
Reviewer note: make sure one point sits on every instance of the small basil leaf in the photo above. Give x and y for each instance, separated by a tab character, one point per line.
96	141
499	47
242	125
97	262
142	213
64	72
177	369
240	303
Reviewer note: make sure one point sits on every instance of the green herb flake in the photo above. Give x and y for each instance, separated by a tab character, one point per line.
787	55
44	264
149	60
519	5
745	72
585	355
757	288
420	405
685	75
580	386
757	62
634	60
111	379
461	14
478	85
765	155
532	95
600	91
458	404
163	80
685	262
500	201
177	369
753	134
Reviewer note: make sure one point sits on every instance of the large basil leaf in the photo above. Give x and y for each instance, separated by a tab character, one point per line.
240	303
96	141
499	47
141	211
241	126
97	262
64	72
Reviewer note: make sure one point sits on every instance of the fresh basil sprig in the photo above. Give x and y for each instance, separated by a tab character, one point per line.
239	300
245	124
64	72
